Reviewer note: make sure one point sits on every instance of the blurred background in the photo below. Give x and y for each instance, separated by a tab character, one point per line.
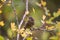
36	11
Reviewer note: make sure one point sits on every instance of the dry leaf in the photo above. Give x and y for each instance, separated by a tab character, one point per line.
1	23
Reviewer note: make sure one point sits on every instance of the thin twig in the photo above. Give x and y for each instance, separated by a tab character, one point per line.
14	10
23	19
44	8
46	12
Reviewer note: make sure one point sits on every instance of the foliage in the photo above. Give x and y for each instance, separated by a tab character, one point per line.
1	37
14	18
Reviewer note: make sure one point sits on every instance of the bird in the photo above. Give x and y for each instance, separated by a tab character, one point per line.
29	23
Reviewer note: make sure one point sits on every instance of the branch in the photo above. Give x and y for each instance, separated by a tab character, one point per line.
26	13
14	10
44	8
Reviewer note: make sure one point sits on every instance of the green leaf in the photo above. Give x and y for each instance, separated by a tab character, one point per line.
29	38
45	35
1	38
53	38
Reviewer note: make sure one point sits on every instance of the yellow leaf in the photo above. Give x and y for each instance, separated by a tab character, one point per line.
56	14
58	33
51	18
0	11
49	14
33	10
43	17
21	30
52	38
48	22
0	5
24	35
9	1
28	31
58	25
13	27
58	11
3	0
1	23
43	3
38	4
51	28
29	38
8	4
